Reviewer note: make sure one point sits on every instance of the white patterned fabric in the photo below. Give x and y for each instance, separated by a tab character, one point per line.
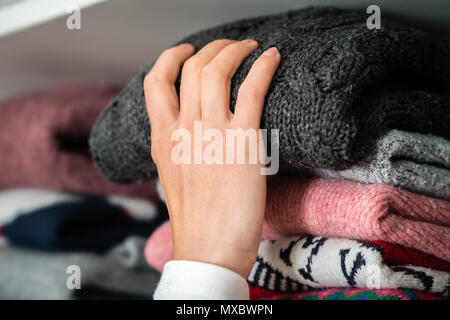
299	263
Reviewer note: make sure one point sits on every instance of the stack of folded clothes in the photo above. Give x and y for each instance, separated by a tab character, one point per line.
44	142
364	118
57	212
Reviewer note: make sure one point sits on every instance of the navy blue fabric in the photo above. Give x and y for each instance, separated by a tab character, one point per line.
92	224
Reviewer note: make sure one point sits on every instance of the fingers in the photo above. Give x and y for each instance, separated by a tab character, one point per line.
160	94
206	80
216	79
251	95
190	79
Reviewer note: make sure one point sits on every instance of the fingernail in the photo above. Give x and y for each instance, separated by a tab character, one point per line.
271	52
185	45
249	41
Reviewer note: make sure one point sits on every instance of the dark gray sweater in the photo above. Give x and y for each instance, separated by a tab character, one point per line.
339	86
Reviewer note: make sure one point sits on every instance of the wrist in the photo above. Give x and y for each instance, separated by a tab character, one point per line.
237	261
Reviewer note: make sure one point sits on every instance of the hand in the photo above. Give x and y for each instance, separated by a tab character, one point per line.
216	210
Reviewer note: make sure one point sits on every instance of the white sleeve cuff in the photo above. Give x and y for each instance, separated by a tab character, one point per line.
192	280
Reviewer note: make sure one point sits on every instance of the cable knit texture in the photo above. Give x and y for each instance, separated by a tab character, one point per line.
44	142
338	87
343	208
417	162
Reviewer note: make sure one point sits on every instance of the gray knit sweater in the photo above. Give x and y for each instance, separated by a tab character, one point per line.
339	86
416	162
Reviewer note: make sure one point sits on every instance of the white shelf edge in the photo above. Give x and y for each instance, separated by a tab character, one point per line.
28	13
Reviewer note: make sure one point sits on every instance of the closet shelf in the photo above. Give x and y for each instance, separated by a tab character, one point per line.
16	15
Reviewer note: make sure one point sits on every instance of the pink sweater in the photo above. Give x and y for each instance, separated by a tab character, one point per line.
342	208
44	142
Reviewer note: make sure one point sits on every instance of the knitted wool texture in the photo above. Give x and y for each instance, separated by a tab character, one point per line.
158	251
257	293
416	162
343	208
44	142
338	87
346	209
305	262
300	263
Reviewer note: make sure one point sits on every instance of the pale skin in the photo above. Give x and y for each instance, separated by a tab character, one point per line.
216	210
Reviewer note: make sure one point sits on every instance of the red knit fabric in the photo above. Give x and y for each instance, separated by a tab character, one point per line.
342	208
394	255
44	142
257	293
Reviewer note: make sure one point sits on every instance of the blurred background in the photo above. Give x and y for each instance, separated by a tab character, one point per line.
118	37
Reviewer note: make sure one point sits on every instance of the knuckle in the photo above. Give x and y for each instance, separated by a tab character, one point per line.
168	53
266	66
192	65
237	50
250	93
152	80
214	71
238	46
222	41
